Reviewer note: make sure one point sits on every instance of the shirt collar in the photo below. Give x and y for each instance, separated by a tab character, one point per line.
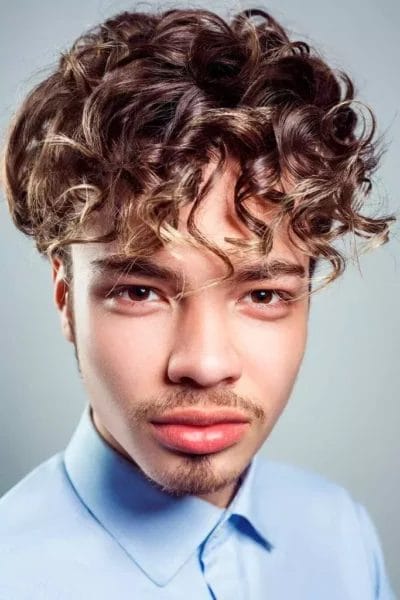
251	503
141	518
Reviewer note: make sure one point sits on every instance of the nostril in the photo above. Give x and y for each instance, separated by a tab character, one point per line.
190	382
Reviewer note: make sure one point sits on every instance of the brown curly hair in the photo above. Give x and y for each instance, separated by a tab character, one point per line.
140	103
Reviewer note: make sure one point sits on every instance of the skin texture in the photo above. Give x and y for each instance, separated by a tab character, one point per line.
224	346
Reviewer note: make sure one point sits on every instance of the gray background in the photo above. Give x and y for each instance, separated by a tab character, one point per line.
343	418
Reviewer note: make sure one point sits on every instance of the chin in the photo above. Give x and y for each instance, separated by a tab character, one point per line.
197	474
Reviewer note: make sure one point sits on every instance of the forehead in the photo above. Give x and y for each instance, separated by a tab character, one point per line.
217	220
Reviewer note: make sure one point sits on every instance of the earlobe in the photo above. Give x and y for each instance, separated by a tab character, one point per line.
66	320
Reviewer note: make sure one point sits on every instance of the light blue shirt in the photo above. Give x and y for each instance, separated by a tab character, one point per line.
86	524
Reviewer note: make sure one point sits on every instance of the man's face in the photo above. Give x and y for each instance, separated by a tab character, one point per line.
225	357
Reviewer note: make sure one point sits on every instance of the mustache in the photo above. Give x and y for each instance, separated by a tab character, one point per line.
188	398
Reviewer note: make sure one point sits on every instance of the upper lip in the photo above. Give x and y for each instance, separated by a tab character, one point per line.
196	416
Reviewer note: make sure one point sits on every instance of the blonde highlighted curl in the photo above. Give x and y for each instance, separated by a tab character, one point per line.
141	103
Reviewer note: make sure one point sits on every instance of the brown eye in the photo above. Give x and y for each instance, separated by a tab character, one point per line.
135	293
271	302
263	296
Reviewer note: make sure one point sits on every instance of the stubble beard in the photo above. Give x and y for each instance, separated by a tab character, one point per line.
195	475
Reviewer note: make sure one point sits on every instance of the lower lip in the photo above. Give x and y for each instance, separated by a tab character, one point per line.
195	439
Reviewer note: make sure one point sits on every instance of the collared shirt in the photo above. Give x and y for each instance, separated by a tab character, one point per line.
86	524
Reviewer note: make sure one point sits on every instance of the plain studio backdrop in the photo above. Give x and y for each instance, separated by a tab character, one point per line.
343	417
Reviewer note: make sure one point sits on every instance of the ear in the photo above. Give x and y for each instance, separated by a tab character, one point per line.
61	297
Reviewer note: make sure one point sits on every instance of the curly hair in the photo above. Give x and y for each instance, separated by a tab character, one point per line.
140	104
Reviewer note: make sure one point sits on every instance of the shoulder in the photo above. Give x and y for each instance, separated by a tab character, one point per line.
312	514
33	497
41	509
296	485
300	504
42	522
287	479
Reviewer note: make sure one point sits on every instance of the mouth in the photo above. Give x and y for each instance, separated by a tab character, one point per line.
196	431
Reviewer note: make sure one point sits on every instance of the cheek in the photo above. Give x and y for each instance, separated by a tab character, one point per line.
121	353
274	354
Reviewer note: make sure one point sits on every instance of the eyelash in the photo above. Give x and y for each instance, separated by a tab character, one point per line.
283	295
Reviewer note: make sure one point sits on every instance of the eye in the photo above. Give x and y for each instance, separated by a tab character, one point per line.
268	303
265	296
269	299
132	293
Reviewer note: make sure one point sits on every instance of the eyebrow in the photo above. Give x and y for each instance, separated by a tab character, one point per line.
145	267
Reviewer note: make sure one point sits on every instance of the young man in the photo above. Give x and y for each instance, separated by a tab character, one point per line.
184	175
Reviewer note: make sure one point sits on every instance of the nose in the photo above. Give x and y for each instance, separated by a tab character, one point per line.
203	353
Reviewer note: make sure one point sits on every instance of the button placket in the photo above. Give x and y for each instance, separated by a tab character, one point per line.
218	560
